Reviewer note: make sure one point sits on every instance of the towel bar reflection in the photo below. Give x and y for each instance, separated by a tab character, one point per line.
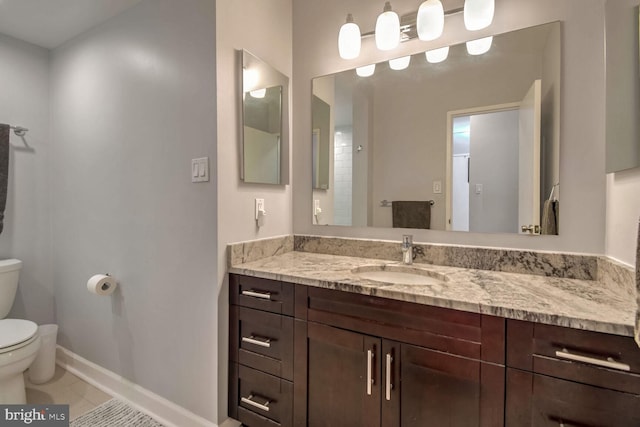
387	203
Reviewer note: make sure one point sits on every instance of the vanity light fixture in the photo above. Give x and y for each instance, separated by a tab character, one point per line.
366	71
426	24
479	46
349	39
387	29
430	20
400	63
437	55
258	93
478	14
250	79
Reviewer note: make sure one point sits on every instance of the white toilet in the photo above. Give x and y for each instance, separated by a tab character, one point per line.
19	339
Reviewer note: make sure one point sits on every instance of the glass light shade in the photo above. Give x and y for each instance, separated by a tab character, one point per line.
478	14
437	55
399	63
387	29
258	93
430	21
349	39
250	79
366	71
480	46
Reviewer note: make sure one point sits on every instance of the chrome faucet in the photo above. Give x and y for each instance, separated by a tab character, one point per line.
407	249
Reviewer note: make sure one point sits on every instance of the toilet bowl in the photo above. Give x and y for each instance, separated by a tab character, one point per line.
19	339
19	345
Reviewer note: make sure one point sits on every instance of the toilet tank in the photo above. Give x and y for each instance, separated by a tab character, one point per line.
9	274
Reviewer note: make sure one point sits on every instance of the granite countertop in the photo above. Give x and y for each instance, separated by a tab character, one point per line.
580	304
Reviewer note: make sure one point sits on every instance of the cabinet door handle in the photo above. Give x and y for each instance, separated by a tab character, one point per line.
388	385
263	406
369	371
609	363
256	294
260	341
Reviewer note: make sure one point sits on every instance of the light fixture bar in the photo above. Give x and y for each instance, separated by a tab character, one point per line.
408	29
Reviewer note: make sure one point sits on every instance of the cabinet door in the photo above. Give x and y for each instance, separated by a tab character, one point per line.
535	400
431	388
343	378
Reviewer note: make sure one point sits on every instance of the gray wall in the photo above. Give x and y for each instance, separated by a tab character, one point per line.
582	128
24	101
133	101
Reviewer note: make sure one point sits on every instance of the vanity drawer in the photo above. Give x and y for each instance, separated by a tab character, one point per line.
471	335
260	399
538	400
261	294
262	340
595	358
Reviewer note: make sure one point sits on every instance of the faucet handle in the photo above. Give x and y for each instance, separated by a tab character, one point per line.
407	240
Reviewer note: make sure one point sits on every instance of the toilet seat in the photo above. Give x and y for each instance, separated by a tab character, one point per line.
16	333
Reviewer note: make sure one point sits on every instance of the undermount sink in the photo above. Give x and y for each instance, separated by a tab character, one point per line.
400	274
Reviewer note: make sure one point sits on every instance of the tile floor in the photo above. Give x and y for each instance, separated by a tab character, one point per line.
66	388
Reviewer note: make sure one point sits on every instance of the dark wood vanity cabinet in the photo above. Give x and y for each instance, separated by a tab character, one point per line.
566	377
369	361
305	356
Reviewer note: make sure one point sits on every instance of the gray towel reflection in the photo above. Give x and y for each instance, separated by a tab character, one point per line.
411	214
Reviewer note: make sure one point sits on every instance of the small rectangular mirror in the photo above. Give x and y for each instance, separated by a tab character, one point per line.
264	95
623	86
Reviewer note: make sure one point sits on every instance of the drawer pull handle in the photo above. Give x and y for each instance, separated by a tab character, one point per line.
369	371
255	294
561	422
263	406
388	385
609	363
262	342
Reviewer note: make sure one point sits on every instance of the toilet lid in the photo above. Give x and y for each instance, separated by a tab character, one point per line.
15	331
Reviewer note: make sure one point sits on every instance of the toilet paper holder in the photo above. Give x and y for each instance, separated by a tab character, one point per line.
102	284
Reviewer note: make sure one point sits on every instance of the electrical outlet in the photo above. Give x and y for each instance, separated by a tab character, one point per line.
259	207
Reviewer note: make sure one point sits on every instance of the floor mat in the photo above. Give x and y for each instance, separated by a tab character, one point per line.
114	413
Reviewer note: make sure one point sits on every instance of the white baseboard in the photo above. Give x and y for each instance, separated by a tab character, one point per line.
157	407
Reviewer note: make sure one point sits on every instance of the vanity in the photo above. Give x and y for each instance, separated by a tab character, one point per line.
315	341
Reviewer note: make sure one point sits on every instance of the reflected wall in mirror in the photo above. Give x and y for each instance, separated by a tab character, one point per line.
265	128
321	125
476	134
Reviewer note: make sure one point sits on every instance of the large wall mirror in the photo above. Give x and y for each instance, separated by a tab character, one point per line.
265	122
472	141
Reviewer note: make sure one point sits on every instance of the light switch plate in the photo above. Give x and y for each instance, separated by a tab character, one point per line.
200	169
437	187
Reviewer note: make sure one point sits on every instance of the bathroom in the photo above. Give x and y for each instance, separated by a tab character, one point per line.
100	183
